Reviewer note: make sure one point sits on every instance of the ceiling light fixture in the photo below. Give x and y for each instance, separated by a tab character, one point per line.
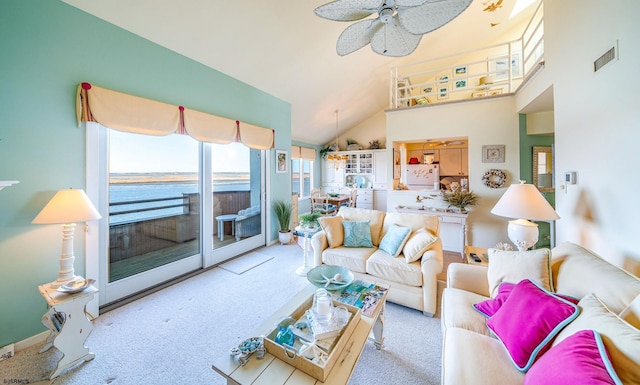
339	160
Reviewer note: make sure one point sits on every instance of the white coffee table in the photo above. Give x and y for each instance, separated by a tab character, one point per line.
226	218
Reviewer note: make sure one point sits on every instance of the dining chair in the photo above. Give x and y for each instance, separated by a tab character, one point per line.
320	204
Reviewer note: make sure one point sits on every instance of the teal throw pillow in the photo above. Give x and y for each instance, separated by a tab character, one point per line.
394	240
357	234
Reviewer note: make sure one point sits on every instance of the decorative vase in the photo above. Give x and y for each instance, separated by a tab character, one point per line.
285	335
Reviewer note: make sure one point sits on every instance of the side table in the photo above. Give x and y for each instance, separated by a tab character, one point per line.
226	218
305	232
68	325
481	252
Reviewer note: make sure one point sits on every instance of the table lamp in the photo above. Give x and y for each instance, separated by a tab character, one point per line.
66	208
524	201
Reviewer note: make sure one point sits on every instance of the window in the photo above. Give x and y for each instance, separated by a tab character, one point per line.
301	177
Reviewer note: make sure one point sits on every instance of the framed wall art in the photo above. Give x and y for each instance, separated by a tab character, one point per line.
493	153
499	67
282	162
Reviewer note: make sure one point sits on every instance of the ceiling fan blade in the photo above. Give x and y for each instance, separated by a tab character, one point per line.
348	10
393	40
431	15
410	3
356	36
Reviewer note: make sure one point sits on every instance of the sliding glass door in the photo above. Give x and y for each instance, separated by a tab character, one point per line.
175	205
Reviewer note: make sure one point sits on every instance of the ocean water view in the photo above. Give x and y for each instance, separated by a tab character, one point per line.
152	186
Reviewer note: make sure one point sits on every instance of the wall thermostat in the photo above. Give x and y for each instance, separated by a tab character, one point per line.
570	177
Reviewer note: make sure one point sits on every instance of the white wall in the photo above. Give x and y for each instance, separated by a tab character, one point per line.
597	124
485	122
375	127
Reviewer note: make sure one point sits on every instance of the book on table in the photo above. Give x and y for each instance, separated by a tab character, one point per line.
362	294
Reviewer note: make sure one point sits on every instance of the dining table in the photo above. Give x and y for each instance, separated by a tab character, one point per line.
339	199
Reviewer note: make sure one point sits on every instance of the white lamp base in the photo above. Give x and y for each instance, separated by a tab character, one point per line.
523	233
67	272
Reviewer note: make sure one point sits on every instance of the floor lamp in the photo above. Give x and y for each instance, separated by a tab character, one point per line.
66	208
524	201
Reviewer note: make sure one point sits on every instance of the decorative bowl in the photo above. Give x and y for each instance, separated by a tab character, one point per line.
323	276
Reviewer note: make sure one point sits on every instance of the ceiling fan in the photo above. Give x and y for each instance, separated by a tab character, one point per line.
397	29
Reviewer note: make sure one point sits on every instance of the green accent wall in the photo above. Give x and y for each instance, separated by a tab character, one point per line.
526	170
47	49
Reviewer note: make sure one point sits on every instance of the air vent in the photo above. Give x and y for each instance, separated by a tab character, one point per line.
604	59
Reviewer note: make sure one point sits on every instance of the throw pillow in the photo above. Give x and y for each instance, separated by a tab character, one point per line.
621	339
417	244
357	234
394	239
332	226
489	307
514	266
528	321
579	359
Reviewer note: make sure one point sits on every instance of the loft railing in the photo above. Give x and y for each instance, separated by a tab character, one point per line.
478	73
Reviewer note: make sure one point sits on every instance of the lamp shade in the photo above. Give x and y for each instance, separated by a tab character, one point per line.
67	206
524	201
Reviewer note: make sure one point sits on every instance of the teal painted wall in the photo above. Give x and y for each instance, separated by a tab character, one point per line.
526	170
47	49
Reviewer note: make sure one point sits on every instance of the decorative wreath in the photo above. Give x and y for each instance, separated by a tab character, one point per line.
494	178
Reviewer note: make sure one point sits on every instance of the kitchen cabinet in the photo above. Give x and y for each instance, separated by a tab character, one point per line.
454	162
380	169
364	199
332	177
359	162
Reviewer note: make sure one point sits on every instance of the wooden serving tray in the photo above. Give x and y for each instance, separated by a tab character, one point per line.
316	370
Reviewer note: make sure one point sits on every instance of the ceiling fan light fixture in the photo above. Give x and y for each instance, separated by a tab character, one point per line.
398	28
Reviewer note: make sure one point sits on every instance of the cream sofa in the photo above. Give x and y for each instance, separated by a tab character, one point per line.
412	284
473	355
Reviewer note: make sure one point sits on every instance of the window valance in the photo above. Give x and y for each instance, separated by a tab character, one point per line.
129	113
305	153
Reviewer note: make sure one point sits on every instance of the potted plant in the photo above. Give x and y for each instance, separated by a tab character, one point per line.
460	199
282	211
309	220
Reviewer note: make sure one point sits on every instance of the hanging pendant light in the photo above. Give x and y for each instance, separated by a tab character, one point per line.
339	161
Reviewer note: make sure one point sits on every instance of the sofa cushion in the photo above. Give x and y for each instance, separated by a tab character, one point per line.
457	311
394	240
579	359
621	340
353	258
357	234
332	226
514	266
578	272
374	217
528	321
394	269
472	358
417	244
631	313
412	220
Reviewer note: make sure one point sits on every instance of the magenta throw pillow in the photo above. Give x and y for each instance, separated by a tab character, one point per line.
528	321
489	307
579	359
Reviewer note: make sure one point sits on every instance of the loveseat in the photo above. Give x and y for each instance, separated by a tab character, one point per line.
609	303
405	252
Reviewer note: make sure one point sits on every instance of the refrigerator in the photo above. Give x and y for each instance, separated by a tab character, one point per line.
423	176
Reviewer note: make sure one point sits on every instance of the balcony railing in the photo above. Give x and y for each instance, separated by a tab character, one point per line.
484	72
163	222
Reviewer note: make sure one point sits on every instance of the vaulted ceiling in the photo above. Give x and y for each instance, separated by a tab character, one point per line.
281	47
